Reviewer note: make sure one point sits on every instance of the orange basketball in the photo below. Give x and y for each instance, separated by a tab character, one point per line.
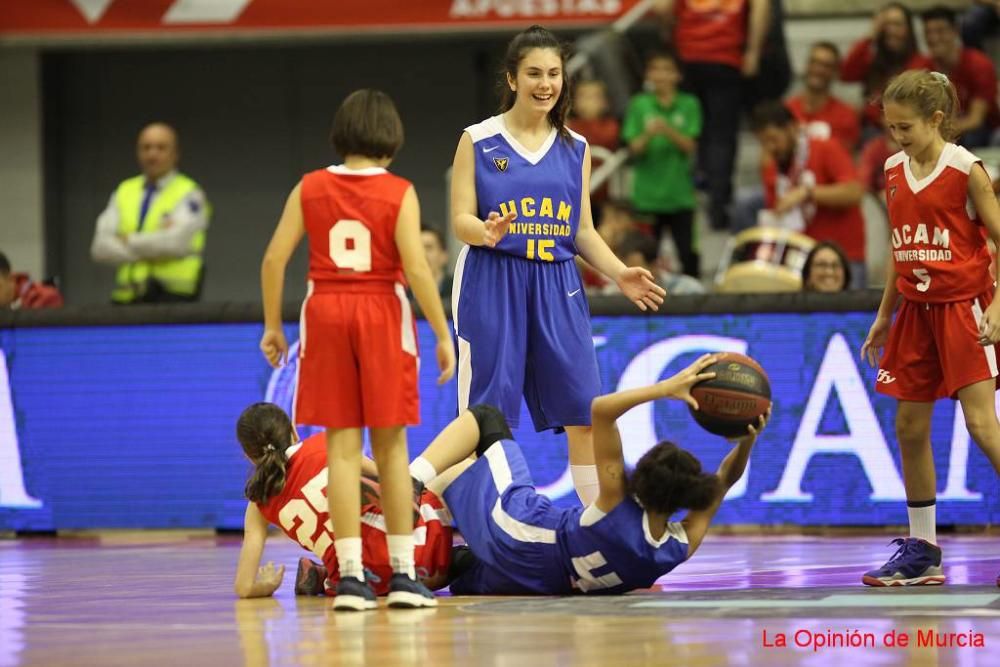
735	398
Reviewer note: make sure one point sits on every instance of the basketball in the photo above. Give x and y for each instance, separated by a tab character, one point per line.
738	394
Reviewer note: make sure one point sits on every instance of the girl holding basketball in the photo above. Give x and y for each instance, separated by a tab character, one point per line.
357	341
623	541
942	342
520	200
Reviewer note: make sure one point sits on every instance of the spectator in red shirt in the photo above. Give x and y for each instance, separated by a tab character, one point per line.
823	115
18	291
591	117
971	72
871	163
811	185
874	60
720	44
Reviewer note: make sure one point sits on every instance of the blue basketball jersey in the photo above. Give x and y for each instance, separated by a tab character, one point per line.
615	553
525	545
543	187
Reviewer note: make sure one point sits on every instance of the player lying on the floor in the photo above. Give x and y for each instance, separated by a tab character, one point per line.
288	489
624	541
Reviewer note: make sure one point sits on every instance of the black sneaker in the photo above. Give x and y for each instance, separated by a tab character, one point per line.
310	577
462	560
354	595
407	593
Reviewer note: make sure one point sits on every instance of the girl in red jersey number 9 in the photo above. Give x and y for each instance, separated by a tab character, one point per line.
357	339
943	341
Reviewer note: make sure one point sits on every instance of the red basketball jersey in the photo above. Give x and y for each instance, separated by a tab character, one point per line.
350	217
301	511
713	31
937	243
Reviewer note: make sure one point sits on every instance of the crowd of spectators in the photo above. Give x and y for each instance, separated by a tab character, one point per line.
819	154
721	63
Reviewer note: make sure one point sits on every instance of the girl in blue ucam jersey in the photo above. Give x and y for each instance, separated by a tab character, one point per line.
520	199
624	541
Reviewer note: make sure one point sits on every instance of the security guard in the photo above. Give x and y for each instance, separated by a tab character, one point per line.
153	228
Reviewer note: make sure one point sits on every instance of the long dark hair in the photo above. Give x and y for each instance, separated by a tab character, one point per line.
264	431
536	37
887	63
668	478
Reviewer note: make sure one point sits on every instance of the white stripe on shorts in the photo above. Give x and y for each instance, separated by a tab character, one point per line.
302	319
519	530
302	348
502	479
408	337
464	349
464	373
989	350
456	285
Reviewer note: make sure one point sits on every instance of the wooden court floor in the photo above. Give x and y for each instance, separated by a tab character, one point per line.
165	599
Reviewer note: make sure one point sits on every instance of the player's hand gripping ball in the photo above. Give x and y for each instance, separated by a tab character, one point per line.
735	398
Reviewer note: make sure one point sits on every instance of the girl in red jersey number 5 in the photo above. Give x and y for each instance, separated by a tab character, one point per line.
943	341
357	339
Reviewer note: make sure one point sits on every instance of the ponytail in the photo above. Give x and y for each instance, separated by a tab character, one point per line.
927	93
264	431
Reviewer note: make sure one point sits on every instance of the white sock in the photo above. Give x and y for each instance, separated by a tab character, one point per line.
923	522
349	557
422	470
585	483
401	554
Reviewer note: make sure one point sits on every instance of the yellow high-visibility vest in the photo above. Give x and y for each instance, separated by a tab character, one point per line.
178	276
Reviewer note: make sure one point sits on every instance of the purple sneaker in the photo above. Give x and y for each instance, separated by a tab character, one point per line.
310	578
916	563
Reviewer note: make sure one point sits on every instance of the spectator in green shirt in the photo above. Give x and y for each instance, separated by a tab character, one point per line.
661	129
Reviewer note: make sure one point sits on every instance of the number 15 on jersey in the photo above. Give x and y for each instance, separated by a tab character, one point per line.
543	247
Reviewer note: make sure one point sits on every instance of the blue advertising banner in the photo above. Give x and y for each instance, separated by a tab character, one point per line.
134	426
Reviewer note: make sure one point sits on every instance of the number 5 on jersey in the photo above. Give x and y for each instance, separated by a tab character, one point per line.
925	279
544	248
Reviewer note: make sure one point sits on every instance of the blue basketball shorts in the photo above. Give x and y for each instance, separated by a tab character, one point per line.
524	330
509	526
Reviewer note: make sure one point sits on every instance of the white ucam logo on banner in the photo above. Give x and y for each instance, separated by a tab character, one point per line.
12	491
838	375
837	379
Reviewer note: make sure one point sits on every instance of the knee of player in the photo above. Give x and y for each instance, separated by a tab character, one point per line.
492	426
981	426
912	435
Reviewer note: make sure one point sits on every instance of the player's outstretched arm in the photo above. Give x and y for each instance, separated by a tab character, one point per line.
636	283
605	411
878	334
291	228
253	581
730	471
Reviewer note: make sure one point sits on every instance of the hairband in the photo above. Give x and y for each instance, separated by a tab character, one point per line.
940	76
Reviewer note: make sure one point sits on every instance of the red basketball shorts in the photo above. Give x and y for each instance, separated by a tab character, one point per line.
357	362
933	350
